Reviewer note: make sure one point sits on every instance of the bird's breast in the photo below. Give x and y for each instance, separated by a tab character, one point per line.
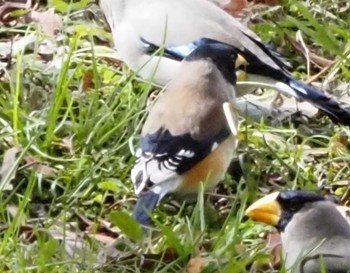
211	169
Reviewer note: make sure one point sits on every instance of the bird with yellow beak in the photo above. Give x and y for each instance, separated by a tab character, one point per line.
315	236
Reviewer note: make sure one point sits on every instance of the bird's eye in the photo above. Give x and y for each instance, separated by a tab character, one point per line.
294	205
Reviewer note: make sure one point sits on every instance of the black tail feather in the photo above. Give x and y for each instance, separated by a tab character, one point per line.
145	205
336	111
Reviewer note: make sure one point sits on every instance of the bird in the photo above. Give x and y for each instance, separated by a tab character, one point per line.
314	234
153	36
191	131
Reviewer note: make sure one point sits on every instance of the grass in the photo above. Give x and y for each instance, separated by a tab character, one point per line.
76	116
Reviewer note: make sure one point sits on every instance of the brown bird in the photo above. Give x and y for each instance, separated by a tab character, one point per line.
187	137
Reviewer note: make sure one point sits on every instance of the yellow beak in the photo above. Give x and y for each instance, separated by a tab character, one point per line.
266	210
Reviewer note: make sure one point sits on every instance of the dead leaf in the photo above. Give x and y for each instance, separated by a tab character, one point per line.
74	244
8	7
8	168
99	228
197	264
35	164
273	140
27	234
46	50
49	21
234	7
45	170
276	179
12	48
87	81
102	238
12	210
274	248
100	231
338	145
111	252
67	144
266	2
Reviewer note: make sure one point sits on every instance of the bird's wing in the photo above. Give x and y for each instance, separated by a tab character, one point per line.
163	156
184	125
325	262
179	22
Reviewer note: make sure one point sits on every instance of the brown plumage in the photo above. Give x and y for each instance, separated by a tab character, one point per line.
186	138
196	107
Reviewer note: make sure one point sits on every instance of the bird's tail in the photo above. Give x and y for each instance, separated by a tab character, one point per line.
334	109
145	205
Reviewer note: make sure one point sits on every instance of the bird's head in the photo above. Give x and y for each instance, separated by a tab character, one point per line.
277	209
225	57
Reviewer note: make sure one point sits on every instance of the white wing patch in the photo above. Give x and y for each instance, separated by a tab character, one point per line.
214	146
152	170
185	153
231	114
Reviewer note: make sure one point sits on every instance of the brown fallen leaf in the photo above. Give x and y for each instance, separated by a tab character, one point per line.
266	2
338	145
8	7
74	244
197	264
88	81
99	228
102	238
276	179
49	21
46	50
35	164
27	234
113	61
274	248
12	210
8	168
66	144
101	231
234	7
17	44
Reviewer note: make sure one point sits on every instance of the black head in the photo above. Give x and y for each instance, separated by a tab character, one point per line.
292	201
224	56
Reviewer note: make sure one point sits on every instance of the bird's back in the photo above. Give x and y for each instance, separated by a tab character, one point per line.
180	22
326	240
200	83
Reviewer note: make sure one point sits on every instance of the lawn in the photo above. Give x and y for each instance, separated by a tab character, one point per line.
70	118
